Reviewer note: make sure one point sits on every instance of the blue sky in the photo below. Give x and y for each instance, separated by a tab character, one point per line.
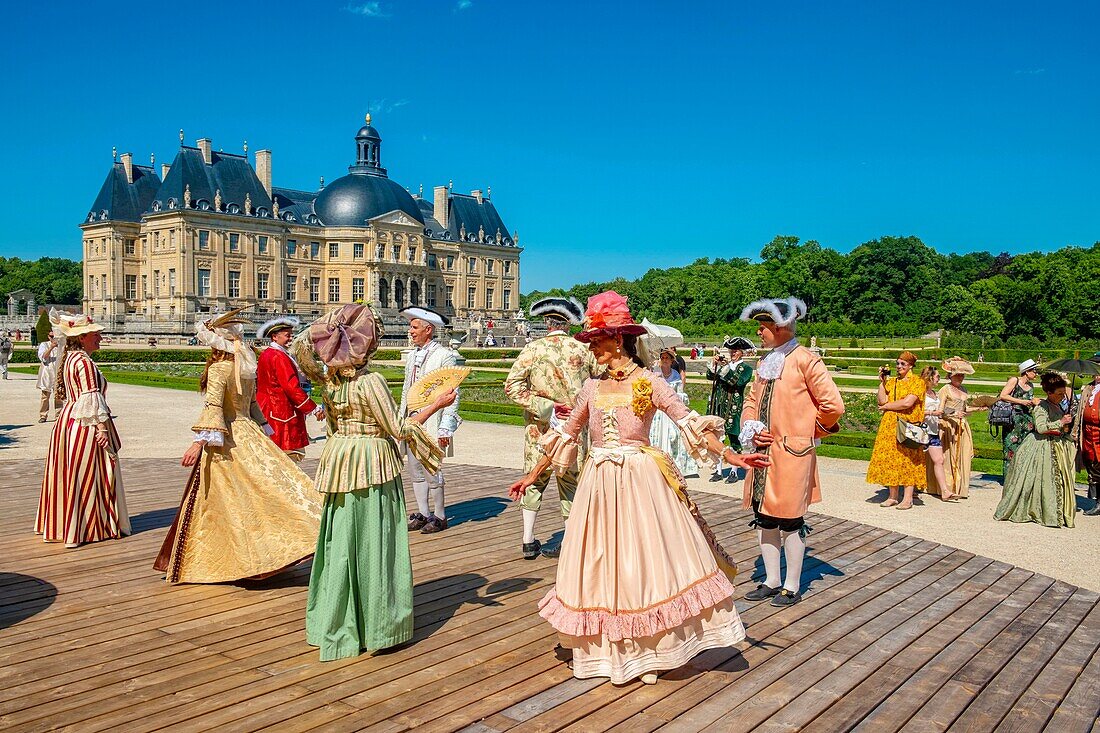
616	136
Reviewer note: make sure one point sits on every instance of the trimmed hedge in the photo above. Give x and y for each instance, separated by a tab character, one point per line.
490	408
867	440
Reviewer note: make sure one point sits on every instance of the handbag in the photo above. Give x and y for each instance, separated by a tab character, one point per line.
1002	414
912	435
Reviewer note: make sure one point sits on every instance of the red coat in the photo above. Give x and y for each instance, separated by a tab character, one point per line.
282	399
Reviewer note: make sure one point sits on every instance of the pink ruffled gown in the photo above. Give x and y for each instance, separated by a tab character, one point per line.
638	587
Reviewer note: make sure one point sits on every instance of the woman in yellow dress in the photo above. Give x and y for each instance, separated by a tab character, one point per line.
892	464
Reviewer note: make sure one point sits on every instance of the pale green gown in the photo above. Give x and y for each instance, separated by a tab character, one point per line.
1039	484
361	585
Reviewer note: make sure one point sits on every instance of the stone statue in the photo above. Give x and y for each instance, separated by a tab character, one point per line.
274	207
187	196
248	204
218	200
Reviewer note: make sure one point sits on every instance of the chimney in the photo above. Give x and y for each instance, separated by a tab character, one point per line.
128	166
476	193
263	169
441	205
205	145
164	168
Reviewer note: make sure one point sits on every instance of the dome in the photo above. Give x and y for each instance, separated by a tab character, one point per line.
366	131
354	199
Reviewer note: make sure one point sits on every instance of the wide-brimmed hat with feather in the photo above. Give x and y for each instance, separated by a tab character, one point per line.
73	324
225	332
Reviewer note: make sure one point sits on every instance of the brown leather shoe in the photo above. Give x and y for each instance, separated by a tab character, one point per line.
434	524
417	521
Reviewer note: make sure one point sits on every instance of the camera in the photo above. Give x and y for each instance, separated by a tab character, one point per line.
884	371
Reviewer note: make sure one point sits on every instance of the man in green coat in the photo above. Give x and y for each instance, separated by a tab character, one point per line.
731	376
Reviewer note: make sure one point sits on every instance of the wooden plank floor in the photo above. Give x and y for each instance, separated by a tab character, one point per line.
895	633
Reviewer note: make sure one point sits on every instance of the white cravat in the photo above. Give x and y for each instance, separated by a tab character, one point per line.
771	366
420	356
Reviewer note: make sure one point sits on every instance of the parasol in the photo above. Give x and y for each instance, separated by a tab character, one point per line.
659	337
1088	367
1074	366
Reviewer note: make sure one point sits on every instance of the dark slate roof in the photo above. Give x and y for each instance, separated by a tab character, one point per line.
296	206
229	173
122	201
467	212
355	199
432	227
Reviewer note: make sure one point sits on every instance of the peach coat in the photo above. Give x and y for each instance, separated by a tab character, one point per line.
805	405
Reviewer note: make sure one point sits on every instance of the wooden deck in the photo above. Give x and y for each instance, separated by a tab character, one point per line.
895	633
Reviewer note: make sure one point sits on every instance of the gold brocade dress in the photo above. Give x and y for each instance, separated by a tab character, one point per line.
248	510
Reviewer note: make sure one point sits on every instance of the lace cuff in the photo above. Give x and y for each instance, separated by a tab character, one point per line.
749	430
693	429
90	409
212	438
560	448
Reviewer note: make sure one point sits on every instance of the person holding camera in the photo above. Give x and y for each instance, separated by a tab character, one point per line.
894	465
731	376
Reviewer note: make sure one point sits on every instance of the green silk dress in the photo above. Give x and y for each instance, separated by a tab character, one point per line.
1039	484
361	586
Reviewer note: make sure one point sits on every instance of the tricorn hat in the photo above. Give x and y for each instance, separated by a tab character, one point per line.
425	314
739	343
282	323
568	309
780	311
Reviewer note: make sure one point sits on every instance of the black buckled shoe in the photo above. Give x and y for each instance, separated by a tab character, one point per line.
551	552
433	525
1095	511
786	598
531	550
417	521
716	476
762	593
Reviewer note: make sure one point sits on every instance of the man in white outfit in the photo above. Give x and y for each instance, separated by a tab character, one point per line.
48	351
426	356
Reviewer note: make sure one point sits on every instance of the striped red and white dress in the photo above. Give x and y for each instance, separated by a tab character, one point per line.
82	498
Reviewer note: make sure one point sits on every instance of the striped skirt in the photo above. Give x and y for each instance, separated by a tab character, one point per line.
82	497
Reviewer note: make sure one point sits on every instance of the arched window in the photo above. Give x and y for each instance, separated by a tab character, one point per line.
399	293
384	293
414	293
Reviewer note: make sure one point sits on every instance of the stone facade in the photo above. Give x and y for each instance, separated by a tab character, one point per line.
154	258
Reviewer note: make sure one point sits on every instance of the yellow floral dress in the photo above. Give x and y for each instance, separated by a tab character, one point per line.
892	464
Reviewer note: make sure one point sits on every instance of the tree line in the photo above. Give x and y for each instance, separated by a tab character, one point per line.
53	280
891	286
